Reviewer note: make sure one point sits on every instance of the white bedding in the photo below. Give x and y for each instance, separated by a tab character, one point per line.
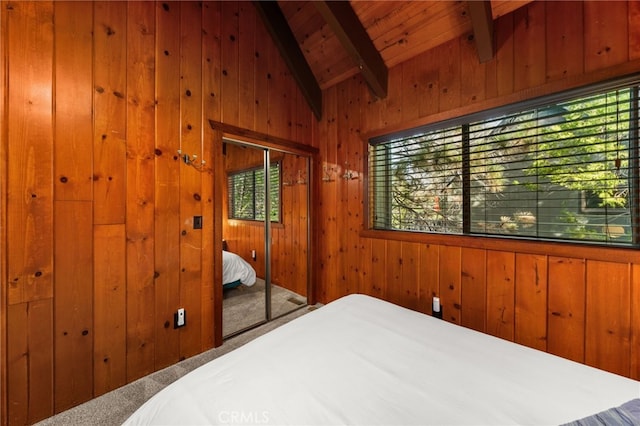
235	268
362	361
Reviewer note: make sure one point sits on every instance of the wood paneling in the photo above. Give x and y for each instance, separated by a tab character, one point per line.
110	309
110	112
529	61
564	38
531	301
391	107
450	77
505	52
140	173
606	34
608	326
328	202
73	303
279	113
3	231
29	33
230	66
30	361
428	85
94	178
429	274
566	308
73	225
211	309
153	73
472	89
474	288
450	283
212	64
393	273
167	183
412	92
634	29
28	40
261	88
410	283
244	39
211	239
635	322
400	30
500	293
575	301
352	175
191	123
300	242
377	283
73	162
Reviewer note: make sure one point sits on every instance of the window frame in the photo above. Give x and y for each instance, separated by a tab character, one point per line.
253	170
539	103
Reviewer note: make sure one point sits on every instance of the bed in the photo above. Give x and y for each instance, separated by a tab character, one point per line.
236	271
363	361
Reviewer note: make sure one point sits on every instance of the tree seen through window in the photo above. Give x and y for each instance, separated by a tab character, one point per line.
563	171
247	194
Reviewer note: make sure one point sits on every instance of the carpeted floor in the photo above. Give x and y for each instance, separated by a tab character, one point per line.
245	306
115	407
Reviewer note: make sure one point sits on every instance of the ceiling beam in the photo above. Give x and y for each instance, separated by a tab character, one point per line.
482	22
287	44
345	24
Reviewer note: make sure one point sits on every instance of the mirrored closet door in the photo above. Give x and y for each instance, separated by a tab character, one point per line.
289	236
243	232
265	235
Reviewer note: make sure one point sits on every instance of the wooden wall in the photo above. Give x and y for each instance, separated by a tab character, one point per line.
577	302
289	266
98	248
289	249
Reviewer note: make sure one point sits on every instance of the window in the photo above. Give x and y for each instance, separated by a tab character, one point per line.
247	194
561	168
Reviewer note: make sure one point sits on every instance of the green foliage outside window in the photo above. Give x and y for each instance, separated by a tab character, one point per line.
564	171
247	194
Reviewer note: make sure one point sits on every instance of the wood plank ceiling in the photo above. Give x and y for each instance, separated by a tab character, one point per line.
337	40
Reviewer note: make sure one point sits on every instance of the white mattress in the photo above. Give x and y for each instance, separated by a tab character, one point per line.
235	268
362	361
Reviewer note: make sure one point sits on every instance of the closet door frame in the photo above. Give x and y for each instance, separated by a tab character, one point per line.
222	132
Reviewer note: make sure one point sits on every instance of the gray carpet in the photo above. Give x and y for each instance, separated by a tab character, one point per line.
115	407
244	306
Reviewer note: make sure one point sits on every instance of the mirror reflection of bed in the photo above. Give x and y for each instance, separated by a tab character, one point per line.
244	296
246	262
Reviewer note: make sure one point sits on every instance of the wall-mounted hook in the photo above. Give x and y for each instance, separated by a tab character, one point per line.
349	174
302	179
192	160
329	172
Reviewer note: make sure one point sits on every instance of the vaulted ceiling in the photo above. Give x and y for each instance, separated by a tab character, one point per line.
326	42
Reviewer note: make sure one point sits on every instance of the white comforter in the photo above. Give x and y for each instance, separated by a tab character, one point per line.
235	268
362	361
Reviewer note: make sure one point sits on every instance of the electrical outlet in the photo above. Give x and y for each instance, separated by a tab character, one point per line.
436	308
180	318
197	222
253	254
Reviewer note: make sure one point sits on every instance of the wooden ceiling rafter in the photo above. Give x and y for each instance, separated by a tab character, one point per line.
285	41
482	22
354	38
332	41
